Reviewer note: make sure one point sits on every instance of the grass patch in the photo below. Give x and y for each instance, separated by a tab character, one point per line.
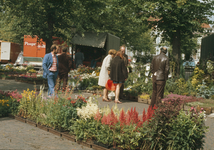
202	103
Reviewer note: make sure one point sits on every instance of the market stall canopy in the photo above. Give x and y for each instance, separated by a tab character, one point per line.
95	39
90	39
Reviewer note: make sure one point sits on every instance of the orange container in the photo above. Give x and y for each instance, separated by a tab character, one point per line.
33	47
37	48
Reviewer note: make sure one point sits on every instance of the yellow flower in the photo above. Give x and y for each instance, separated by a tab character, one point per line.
8	105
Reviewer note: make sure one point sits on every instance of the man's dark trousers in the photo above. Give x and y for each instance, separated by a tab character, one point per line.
64	78
158	91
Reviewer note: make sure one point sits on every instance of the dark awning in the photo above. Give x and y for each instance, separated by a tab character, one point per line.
90	39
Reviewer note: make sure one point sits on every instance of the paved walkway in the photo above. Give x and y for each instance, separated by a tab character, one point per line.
18	135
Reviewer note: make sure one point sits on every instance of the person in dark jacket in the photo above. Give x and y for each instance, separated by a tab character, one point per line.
126	61
118	73
159	69
65	65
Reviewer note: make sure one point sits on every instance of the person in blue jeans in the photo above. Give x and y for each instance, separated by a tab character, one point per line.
50	68
95	58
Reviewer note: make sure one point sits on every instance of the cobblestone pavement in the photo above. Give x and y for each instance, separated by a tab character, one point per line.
209	139
18	135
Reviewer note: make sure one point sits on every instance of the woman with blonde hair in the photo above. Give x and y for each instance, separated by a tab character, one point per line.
118	73
104	76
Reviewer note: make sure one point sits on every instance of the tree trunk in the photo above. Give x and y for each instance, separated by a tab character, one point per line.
50	33
176	50
48	45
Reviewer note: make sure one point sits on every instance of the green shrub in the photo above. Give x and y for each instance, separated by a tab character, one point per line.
160	125
187	132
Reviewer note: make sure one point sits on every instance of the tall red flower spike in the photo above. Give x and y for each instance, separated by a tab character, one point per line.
122	118
113	119
148	113
128	119
104	119
144	115
97	116
108	119
135	116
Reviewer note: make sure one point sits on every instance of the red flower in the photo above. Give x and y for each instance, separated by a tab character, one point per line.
114	119
122	118
144	115
128	118
73	102
135	116
69	98
97	116
104	120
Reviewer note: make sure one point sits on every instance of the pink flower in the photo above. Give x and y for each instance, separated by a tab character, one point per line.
202	108
192	108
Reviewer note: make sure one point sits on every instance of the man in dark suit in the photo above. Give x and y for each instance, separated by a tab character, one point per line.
50	68
159	69
65	65
126	61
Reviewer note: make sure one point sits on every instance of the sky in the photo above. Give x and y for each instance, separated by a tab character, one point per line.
212	18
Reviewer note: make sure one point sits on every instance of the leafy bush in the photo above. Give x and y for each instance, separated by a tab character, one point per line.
187	131
197	77
160	125
173	129
204	91
9	102
60	111
4	107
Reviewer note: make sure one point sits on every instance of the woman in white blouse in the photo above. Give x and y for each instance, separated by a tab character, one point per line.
104	76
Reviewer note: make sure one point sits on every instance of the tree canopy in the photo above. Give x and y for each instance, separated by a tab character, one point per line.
47	18
178	20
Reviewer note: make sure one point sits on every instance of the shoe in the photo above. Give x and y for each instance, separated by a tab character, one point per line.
106	100
118	102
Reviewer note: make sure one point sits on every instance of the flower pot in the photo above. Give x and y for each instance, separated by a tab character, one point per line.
55	132
20	119
31	122
140	100
207	109
69	137
42	127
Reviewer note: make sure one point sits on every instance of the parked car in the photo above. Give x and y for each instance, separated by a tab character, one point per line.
34	61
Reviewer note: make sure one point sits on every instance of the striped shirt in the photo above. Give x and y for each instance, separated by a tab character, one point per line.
53	67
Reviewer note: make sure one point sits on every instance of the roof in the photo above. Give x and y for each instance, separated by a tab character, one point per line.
204	25
90	39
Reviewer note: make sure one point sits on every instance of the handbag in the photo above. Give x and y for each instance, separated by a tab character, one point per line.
110	85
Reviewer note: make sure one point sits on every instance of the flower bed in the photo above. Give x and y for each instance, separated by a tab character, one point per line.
9	102
161	127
